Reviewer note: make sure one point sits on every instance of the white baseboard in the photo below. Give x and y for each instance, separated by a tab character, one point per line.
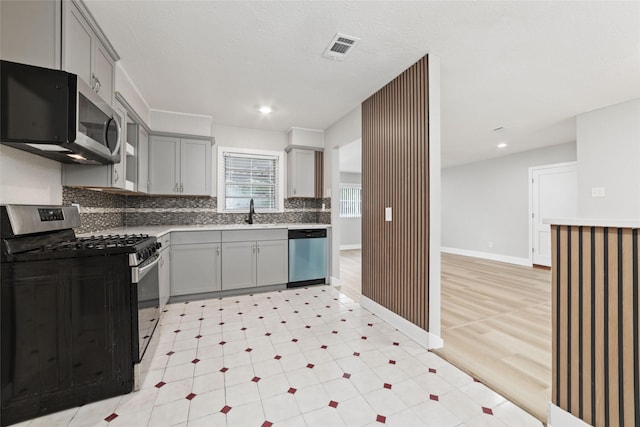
488	255
422	337
558	417
350	247
334	281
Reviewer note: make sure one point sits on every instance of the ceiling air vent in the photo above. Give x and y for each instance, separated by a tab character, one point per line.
340	46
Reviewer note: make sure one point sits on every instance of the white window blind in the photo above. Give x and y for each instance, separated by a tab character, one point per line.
250	176
350	200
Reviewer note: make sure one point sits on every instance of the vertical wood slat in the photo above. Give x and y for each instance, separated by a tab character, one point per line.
627	326
595	302
395	173
587	321
555	265
599	258
574	374
611	371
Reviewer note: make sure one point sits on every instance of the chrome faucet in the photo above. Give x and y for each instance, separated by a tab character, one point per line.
249	219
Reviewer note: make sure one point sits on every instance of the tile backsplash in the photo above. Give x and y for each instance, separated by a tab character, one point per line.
100	210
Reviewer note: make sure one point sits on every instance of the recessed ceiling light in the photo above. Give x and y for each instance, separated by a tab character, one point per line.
265	109
502	145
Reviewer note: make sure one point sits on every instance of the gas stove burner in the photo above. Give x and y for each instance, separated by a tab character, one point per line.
113	241
97	242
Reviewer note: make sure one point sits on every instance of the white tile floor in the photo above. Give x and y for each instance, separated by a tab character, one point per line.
300	357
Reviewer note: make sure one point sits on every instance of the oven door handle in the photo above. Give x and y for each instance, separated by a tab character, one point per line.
138	273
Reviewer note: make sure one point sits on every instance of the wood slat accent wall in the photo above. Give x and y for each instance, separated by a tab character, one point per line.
595	324
319	175
395	173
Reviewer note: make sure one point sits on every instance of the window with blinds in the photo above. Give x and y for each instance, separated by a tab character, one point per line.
350	200
251	176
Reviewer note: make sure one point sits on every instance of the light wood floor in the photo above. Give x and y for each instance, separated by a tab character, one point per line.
496	324
351	273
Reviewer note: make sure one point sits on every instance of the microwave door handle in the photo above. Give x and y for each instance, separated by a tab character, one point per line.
106	135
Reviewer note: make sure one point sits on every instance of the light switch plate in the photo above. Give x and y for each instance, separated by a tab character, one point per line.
597	191
387	214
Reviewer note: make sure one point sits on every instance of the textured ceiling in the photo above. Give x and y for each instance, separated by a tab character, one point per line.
527	66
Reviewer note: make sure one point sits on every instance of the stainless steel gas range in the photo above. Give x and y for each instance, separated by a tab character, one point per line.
77	313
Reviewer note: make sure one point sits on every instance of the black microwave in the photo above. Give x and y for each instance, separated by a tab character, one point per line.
54	114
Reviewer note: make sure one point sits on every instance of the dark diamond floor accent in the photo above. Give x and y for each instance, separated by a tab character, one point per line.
111	417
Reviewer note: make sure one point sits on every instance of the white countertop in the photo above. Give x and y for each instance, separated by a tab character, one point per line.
159	230
591	222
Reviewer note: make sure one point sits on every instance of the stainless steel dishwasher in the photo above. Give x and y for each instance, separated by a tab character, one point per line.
307	257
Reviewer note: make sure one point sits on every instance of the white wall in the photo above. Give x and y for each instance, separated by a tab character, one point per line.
342	132
489	201
26	178
131	94
608	145
230	136
306	137
350	228
174	122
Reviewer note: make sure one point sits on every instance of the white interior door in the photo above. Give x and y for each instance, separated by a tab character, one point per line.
554	195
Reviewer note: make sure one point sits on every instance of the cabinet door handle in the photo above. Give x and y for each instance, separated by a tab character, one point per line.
218	250
182	187
116	175
176	188
253	248
98	85
294	191
94	82
258	248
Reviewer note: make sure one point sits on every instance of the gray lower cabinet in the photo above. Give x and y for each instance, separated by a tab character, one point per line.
272	263
254	263
239	268
164	269
195	268
164	273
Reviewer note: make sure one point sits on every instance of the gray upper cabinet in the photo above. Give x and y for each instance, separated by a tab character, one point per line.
131	173
143	161
30	32
79	44
195	167
86	51
300	173
179	166
164	175
102	176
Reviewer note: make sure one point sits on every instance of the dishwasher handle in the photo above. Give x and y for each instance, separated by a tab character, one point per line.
308	233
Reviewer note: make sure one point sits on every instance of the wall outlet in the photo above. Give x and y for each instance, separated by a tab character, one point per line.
597	191
387	214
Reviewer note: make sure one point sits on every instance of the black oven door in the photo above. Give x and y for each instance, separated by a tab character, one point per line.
146	295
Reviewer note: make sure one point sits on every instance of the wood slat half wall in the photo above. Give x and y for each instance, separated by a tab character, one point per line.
395	174
595	324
